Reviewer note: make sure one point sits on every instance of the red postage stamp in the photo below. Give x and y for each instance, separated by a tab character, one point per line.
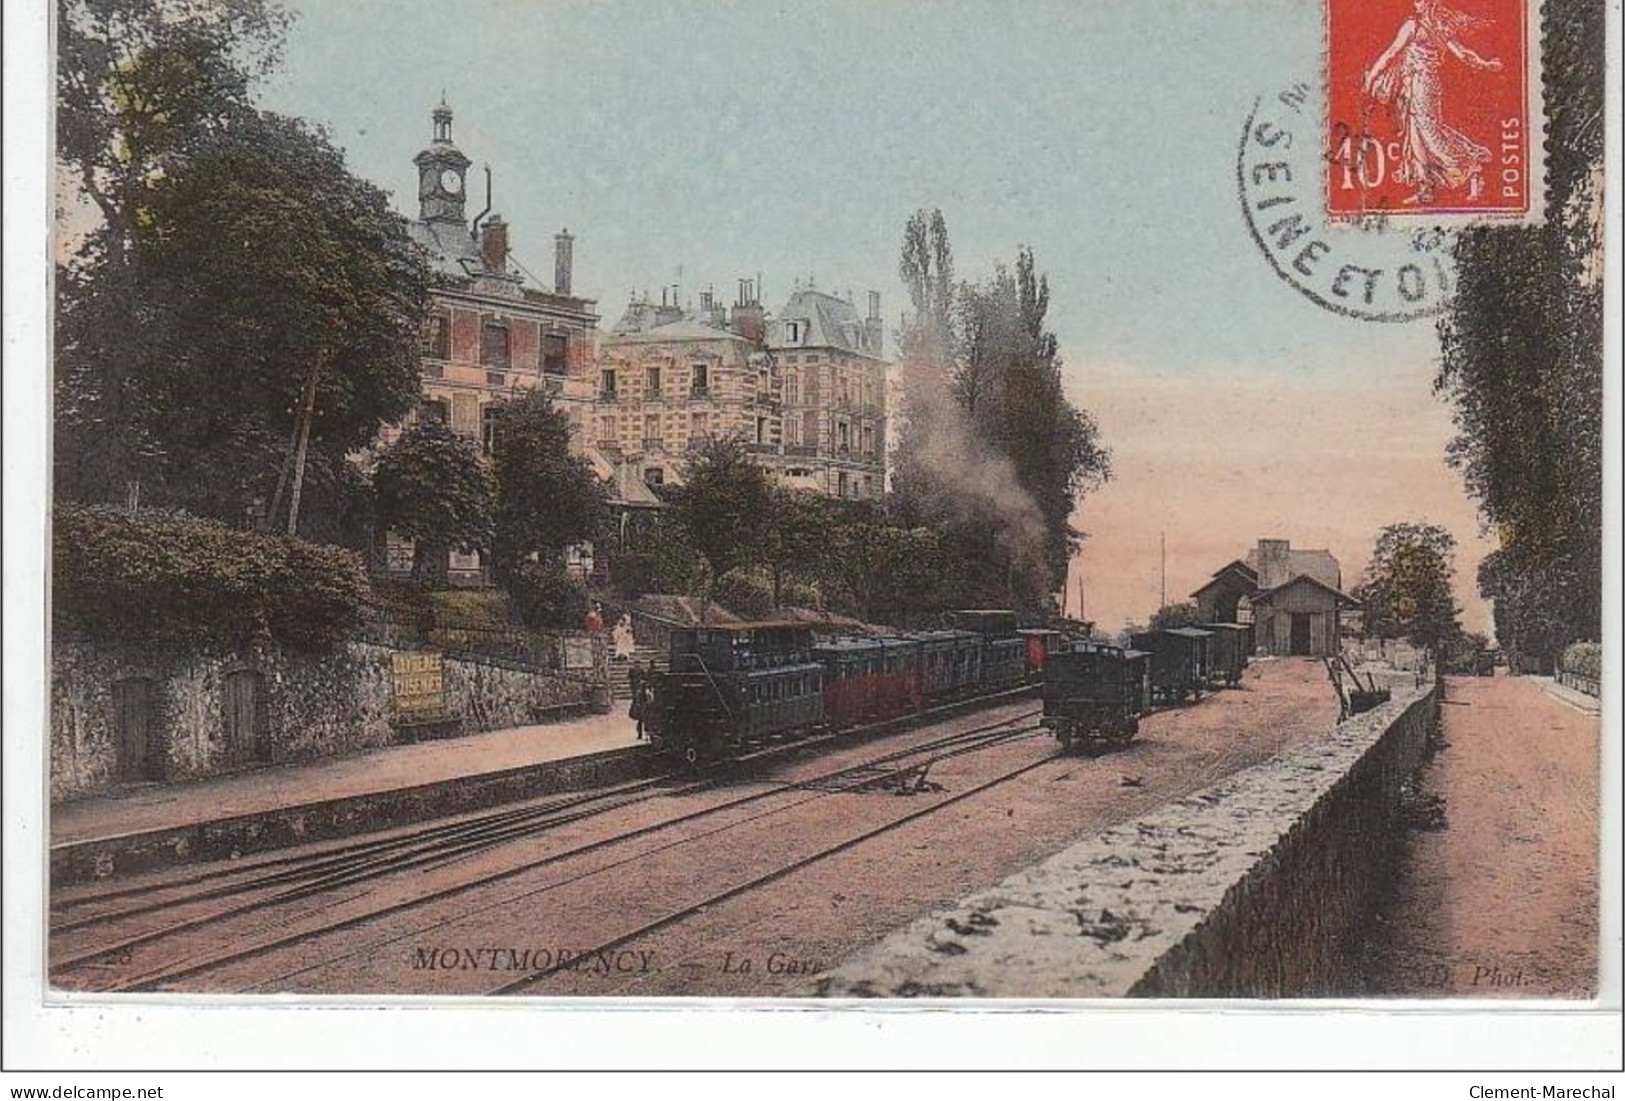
1429	108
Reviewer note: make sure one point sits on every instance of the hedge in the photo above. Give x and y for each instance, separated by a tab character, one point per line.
1583	659
176	580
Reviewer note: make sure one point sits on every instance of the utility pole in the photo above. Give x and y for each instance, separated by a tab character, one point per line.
1162	599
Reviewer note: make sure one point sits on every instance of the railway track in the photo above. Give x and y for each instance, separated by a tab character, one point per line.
211	899
531	979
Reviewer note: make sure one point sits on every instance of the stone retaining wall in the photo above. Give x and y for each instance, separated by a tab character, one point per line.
303	707
1257	887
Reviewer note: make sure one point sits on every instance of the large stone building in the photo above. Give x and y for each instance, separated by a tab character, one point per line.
804	389
1294	599
490	334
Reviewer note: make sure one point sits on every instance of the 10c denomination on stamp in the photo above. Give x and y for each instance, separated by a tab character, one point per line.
1430	108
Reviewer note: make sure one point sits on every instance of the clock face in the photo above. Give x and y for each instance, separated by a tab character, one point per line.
451	182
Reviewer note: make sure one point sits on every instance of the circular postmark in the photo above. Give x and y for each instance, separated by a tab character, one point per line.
1365	268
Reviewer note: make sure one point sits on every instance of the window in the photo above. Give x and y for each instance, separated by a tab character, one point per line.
606	385
494	345
434	411
652	383
840	484
488	426
651	432
436	337
761	429
843	437
792	332
702	378
654	476
555	353
792	387
607	435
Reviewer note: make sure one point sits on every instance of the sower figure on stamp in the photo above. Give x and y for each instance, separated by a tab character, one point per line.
1433	154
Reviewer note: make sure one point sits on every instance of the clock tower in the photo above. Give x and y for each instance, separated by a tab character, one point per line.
442	174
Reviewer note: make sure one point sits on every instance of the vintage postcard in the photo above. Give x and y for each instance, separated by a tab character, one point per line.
836	506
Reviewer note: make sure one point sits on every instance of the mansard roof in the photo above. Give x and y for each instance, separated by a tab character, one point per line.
831	323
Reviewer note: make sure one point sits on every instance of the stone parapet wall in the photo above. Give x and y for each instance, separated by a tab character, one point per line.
1257	887
497	695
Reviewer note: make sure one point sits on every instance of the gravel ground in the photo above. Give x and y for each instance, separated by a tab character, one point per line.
1502	901
775	939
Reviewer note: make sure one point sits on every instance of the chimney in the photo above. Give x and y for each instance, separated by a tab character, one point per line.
563	260
494	245
748	318
1274	562
874	335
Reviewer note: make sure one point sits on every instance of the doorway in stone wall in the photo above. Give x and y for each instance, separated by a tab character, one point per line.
248	739
139	746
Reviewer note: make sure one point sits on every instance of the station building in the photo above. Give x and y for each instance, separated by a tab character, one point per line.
1293	599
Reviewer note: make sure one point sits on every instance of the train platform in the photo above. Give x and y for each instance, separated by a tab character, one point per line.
150	826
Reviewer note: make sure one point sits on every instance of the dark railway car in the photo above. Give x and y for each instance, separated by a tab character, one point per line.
869	680
729	685
1179	662
1004	663
1095	695
1229	653
950	662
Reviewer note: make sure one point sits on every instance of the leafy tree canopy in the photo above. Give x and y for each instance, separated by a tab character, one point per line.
1406	588
1522	360
546	498
1182	614
725	503
430	487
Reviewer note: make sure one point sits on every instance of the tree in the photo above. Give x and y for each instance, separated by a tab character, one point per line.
1523	356
546	498
279	302
430	487
1407	585
1183	614
991	451
886	570
140	84
725	504
793	536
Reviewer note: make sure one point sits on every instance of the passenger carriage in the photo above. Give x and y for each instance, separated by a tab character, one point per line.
869	680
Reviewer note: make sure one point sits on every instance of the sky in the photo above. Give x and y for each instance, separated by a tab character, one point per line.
699	143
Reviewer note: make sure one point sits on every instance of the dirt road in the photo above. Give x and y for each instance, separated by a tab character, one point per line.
1502	901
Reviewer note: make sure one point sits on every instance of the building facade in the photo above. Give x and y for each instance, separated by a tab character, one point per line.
804	390
489	333
1293	599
